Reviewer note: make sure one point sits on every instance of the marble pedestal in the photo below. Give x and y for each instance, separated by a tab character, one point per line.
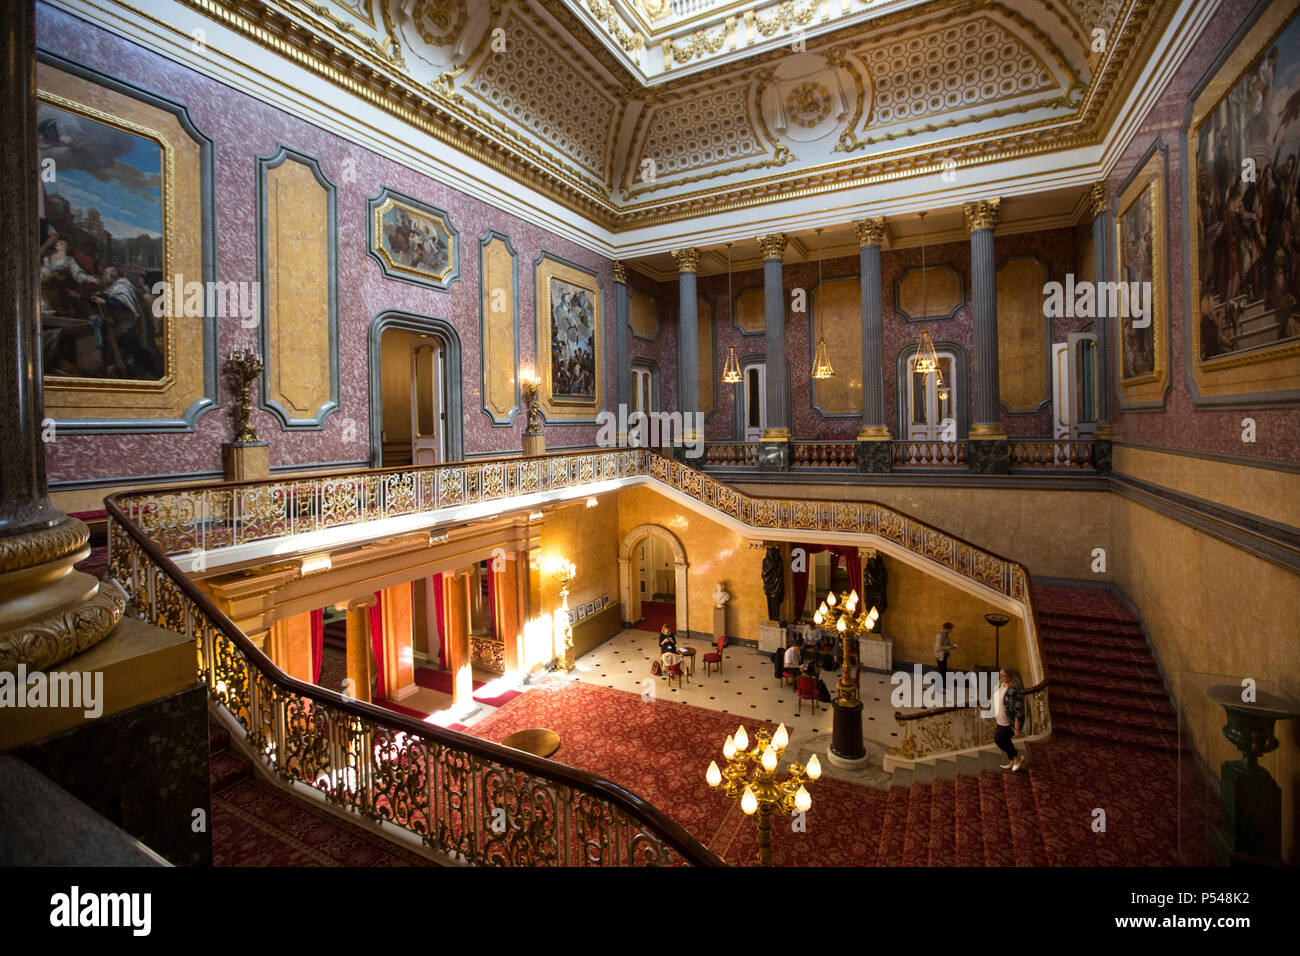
771	637
877	654
246	461
719	623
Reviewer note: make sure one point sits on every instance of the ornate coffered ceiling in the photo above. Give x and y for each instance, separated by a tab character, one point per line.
634	113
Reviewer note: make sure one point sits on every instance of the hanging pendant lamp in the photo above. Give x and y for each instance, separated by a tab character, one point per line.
821	361
730	368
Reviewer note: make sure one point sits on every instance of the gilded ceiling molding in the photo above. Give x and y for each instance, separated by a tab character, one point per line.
982	214
688	259
773	245
871	232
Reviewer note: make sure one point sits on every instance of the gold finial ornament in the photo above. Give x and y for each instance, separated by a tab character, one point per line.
688	259
1097	196
244	367
620	272
982	214
773	245
871	232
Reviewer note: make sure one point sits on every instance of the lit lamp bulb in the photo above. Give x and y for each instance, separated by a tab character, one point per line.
769	759
781	738
714	776
749	802
841	626
814	767
729	748
818	618
801	799
853	596
830	599
823	609
742	739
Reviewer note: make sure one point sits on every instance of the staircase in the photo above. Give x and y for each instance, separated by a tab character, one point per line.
258	824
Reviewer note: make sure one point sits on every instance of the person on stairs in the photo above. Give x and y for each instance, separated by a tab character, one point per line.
943	646
1009	712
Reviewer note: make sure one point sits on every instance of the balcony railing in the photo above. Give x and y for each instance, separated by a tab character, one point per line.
1025	454
930	454
448	789
951	730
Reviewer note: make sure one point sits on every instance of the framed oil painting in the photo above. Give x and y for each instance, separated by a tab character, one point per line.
1244	211
570	319
1141	292
413	241
126	255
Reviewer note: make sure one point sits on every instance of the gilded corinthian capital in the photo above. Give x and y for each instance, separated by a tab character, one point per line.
871	232
982	214
688	259
620	272
1097	198
773	245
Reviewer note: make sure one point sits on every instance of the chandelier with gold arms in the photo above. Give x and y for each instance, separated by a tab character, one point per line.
730	368
821	362
850	622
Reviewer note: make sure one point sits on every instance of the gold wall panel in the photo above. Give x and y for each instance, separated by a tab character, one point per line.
641	315
704	318
837	316
298	238
182	196
565	275
1022	333
500	342
944	293
750	317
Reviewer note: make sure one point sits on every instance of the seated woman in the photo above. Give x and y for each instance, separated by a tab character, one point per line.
667	641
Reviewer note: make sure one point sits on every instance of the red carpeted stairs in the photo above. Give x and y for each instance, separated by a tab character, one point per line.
1105	685
255	823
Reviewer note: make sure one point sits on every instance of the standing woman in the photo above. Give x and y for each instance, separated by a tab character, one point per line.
1009	712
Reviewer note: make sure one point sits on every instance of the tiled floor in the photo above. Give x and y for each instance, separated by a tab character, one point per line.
746	687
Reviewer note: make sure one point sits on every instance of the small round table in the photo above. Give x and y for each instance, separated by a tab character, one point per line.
538	741
689	654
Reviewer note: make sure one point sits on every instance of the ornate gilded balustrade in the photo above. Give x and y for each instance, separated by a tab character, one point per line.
472	800
951	730
443	786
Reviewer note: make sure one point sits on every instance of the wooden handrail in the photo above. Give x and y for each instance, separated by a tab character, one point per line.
948	710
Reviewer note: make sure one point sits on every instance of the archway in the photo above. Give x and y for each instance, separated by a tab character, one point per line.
423	388
630	594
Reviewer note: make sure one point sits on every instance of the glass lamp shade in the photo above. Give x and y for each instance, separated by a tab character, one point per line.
769	759
714	775
749	802
802	801
830	599
853	596
841	626
814	767
818	618
742	739
782	738
729	748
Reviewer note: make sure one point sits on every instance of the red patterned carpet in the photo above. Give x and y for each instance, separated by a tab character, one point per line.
655	614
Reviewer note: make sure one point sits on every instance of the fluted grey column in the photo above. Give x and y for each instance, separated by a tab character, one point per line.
874	451
774	453
1100	249
623	360
688	339
987	452
24	500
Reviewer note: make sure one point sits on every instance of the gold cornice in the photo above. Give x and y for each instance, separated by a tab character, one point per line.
871	232
773	245
688	259
981	215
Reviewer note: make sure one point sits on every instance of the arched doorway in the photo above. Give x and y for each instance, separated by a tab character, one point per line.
415	391
630	574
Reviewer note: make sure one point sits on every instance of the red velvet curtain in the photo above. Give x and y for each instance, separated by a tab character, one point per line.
853	565
377	642
489	613
317	643
438	612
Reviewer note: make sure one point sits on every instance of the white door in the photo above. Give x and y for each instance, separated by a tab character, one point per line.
428	416
930	415
755	408
1062	404
1074	387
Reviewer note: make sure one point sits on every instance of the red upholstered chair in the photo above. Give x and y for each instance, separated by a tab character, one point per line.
808	692
674	667
715	659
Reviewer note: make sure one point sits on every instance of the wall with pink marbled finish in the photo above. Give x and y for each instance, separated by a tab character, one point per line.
243	129
1179	424
1059	248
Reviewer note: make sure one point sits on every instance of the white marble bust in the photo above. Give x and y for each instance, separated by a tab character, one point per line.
720	596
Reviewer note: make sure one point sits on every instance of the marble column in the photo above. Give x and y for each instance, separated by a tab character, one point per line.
455	594
359	652
622	357
688	346
874	449
987	451
774	450
1101	452
48	610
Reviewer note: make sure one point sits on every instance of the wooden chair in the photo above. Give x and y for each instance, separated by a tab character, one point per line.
673	667
714	659
808	691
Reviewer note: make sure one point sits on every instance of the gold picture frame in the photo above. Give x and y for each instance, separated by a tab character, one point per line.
1141	244
1250	354
413	241
553	280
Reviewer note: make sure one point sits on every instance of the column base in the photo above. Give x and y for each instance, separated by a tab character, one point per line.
1101	455
988	456
246	461
875	456
773	455
847	749
534	443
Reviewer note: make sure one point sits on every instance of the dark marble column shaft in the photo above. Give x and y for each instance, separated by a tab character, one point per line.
623	360
778	416
980	220
24	503
688	336
871	234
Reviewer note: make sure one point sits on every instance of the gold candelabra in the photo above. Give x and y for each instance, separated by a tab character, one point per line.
565	571
750	777
845	618
532	385
243	366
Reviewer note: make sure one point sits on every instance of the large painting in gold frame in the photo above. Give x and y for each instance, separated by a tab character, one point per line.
145	293
1141	231
413	241
570	306
1243	145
